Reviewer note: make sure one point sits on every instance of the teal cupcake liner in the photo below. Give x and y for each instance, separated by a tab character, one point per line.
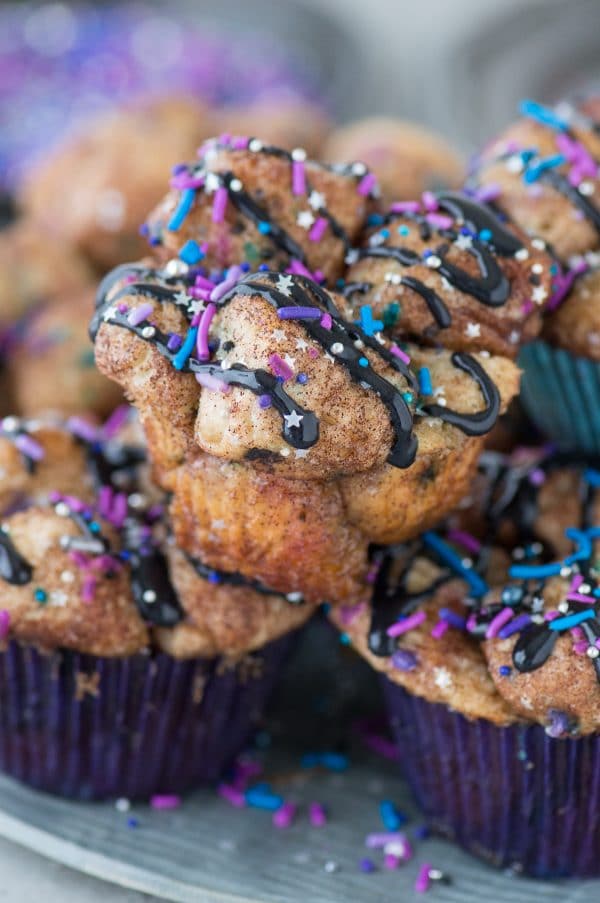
561	393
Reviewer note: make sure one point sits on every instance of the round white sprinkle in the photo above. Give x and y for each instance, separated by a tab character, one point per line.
592	652
294	597
331	866
235	185
67	577
563	607
586	188
62	509
176	267
522	254
359	343
538	244
565	572
584	588
433	261
10	424
136	500
514	164
299	154
285	452
359	169
148	332
122	805
337	348
255	145
57	597
537	268
149	596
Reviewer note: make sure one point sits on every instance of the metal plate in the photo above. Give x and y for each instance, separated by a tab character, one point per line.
207	851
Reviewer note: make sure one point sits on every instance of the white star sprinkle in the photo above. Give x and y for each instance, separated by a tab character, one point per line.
182	298
305	219
463	242
278	335
290	361
301	344
301	452
196	307
293	419
211	182
109	313
473	330
316	200
442	678
539	294
284	285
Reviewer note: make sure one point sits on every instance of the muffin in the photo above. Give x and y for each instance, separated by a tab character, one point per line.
406	158
543	172
128	669
485	632
114	169
50	365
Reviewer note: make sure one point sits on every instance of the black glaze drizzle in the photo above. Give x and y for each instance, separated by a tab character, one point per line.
14	568
234	578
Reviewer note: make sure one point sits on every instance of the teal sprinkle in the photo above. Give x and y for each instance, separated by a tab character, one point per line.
385	233
363	362
264	228
391	314
485	234
534	172
94	527
345	639
180	359
545	115
554	269
40	595
403	230
408	397
191	252
425	381
447	555
183	208
571	620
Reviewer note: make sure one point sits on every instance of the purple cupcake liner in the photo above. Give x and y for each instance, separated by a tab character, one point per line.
511	795
91	728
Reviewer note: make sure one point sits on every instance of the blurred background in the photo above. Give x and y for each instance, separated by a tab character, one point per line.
459	67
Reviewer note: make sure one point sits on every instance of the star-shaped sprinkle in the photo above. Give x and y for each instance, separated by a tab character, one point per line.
301	344
316	200
442	678
290	361
109	313
293	419
284	285
196	307
473	330
539	294
211	182
305	219
278	335
301	452
464	242
182	298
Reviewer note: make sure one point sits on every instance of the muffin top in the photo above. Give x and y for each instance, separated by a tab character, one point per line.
495	614
446	270
543	173
92	568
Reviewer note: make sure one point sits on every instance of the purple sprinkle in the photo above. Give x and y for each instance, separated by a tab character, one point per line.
559	723
367	866
138	314
81	428
4	623
264	401
367	184
382	838
165	801
515	625
117	419
299	313
29	447
404	660
454	619
174	342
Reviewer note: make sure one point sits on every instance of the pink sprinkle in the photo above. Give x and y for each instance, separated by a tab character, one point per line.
105	501
234	797
466	540
318	230
202	281
140	313
400	353
298	177
279	367
240	142
349	613
88	588
423	880
326	321
165	801
391	862
74	503
117	419
82	428
498	622
212	383
405	207
580	647
297	268
219	204
183	180
578	633
202	337
317	815
79	558
429	201
439	630
248	768
471	623
284	815
576	582
312	352
201	294
367	184
319	276
406	624
551	615
440	220
119	510
579	597
4	623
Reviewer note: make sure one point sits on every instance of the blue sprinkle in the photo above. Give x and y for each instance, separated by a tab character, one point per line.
425	381
391	818
363	361
554	269
504	670
191	252
183	208
302	378
332	760
262	797
180	359
408	397
264	267
478	587
367	866
375	219
485	234
345	639
94	527
403	230
571	620
543	114
264	228
132	822
534	571
214	577
340	283
245	266
385	233
422	832
454	619
368	325
535	171
326	606
592	477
